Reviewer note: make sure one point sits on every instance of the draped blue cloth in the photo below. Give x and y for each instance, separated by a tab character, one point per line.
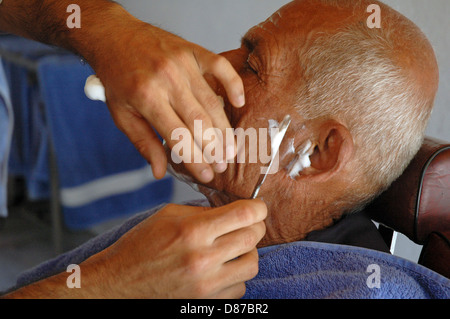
100	173
6	130
308	270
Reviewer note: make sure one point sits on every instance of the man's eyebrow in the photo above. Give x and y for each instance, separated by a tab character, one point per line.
252	39
246	42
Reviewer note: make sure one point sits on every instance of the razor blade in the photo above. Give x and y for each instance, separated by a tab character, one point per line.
276	144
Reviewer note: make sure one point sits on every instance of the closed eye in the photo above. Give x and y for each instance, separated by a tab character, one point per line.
250	47
251	65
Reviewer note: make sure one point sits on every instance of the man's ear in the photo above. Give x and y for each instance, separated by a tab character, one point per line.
333	150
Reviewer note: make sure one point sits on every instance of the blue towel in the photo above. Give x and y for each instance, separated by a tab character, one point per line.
101	174
29	147
6	129
81	253
311	270
297	270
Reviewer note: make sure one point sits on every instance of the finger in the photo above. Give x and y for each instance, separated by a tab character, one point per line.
144	139
236	291
229	281
239	242
175	133
222	69
212	103
184	150
199	122
214	106
217	222
241	269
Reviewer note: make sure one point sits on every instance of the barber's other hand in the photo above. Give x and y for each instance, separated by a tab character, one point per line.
184	252
153	78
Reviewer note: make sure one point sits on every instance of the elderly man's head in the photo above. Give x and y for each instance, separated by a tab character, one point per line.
360	97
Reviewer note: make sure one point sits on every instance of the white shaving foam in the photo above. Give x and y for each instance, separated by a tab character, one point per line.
290	149
275	136
301	161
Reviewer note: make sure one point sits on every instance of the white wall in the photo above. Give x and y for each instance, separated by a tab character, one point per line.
218	25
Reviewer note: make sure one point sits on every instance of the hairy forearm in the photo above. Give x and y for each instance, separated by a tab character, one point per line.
94	283
51	288
46	21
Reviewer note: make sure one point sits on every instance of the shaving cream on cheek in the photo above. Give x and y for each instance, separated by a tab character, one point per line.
301	161
290	149
275	136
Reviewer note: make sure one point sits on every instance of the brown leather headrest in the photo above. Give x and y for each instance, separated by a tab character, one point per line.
418	203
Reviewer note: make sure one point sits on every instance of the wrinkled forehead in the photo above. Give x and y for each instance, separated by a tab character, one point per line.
280	24
274	36
303	19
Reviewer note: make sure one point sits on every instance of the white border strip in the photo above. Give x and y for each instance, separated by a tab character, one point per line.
105	187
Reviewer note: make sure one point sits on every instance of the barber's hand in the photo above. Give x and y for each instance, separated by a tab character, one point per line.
154	78
184	252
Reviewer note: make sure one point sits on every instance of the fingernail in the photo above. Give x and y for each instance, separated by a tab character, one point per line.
206	175
240	100
220	167
230	152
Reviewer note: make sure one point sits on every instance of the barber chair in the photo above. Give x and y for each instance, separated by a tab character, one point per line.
418	205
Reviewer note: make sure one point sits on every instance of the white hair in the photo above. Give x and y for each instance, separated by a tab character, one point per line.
352	75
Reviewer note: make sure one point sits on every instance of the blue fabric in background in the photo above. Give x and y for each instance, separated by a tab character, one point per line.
6	127
101	175
89	147
29	150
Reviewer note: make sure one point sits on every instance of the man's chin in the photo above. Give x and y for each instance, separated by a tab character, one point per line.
217	198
